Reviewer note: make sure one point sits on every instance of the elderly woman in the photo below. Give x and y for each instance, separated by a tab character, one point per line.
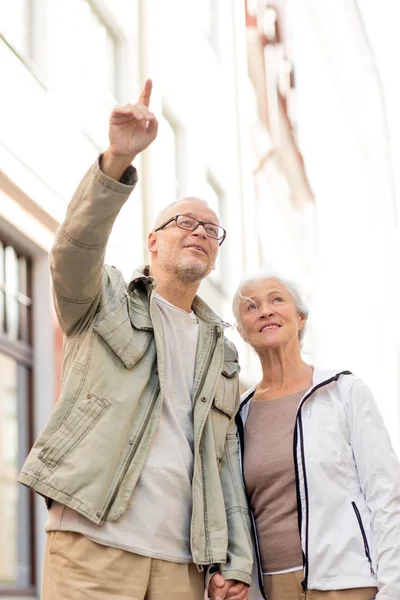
322	479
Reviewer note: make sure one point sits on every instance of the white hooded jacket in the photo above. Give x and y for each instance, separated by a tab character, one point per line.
348	487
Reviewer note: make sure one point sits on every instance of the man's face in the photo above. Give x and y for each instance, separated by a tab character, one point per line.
190	255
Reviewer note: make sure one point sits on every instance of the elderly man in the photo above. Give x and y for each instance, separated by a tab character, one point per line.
139	460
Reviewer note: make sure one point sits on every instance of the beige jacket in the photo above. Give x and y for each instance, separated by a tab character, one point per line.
91	453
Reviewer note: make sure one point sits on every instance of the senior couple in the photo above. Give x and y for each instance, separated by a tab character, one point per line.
159	483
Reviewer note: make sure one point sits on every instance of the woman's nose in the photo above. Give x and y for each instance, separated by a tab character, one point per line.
266	311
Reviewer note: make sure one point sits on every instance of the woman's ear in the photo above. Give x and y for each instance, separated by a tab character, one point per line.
302	321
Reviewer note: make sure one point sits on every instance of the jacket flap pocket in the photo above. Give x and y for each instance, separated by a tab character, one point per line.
139	315
225	402
231	364
226	398
82	417
127	332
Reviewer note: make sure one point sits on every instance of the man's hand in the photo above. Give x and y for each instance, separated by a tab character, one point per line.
132	128
229	589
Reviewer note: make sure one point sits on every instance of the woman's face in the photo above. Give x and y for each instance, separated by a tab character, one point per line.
268	315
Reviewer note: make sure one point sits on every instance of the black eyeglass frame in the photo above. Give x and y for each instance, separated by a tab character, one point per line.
219	240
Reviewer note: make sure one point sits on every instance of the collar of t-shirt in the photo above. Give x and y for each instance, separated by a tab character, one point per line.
191	315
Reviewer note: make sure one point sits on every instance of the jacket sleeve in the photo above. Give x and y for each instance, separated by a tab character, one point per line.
379	474
239	562
77	256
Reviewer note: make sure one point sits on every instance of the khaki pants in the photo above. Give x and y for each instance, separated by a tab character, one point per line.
76	568
287	586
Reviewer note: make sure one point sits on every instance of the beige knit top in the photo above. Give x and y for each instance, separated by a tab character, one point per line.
270	480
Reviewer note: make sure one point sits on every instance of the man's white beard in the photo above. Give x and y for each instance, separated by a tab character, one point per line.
186	268
190	271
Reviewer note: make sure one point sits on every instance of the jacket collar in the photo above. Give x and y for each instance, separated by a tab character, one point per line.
141	278
319	376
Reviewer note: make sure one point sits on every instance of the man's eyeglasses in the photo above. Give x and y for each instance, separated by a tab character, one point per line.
216	232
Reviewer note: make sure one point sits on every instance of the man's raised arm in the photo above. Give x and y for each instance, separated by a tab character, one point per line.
77	257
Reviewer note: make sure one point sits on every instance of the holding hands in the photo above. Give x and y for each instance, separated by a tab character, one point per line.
226	589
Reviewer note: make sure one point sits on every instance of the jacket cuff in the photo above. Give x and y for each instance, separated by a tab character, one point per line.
129	178
237	575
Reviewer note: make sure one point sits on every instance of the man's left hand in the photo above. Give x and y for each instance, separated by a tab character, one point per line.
229	589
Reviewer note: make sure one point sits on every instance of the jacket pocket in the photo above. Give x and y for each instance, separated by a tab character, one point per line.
225	401
222	411
231	364
80	420
226	397
127	330
364	536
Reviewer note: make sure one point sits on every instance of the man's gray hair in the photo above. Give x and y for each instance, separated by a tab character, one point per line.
293	288
161	217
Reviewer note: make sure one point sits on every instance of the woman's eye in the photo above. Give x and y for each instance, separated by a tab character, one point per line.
277	299
251	307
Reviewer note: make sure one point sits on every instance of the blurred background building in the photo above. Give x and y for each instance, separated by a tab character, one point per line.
283	115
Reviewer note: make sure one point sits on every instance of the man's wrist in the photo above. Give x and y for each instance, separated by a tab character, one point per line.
115	166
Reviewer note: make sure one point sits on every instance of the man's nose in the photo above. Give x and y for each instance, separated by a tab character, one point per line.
200	230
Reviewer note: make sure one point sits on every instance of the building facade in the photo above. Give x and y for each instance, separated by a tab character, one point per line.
283	207
224	95
63	66
347	106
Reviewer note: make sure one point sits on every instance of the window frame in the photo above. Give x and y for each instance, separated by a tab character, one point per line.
21	351
109	24
216	276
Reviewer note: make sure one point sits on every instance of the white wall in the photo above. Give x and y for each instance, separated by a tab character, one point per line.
345	146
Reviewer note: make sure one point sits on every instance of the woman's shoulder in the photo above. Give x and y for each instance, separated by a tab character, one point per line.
343	377
347	383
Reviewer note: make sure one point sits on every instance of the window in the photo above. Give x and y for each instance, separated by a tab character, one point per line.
167	187
82	58
16	556
15	24
211	8
213	195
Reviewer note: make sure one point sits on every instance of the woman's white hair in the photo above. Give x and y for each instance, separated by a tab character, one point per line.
293	288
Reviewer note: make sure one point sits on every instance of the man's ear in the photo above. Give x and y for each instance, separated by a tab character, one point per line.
152	242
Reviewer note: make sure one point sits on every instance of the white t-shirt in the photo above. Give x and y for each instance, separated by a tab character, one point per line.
157	522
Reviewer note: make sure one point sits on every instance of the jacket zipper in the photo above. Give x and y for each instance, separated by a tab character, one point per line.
199	388
207	534
240	429
299	428
364	537
129	456
239	423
